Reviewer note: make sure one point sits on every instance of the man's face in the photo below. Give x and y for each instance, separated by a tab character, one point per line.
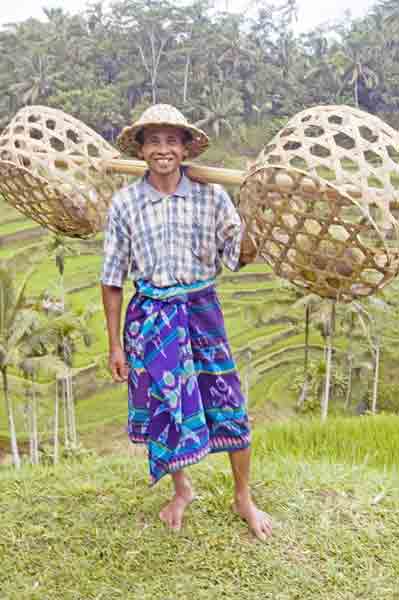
163	149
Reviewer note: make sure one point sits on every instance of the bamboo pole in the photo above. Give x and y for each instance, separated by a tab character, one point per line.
206	174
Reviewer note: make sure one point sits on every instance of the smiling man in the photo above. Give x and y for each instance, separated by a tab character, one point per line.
170	235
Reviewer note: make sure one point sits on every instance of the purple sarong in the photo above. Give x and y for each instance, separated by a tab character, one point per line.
185	398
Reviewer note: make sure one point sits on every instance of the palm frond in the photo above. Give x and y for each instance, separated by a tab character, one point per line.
20	293
49	364
7	297
23	326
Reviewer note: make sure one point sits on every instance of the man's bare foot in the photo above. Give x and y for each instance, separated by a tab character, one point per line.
172	513
258	521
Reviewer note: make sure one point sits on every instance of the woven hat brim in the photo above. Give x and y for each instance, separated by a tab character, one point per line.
128	144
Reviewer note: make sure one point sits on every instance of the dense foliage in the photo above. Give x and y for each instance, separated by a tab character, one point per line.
223	70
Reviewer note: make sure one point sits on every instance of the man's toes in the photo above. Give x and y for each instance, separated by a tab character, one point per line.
165	517
267	528
176	524
261	535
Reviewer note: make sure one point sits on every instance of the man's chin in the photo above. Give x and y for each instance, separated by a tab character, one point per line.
167	170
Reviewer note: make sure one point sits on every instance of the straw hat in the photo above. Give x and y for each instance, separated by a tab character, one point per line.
162	115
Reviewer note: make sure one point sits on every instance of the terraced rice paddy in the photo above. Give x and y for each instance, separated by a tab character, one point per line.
265	331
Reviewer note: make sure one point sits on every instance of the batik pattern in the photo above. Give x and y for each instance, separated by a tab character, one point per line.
185	398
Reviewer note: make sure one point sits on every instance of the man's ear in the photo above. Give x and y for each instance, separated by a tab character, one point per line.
140	154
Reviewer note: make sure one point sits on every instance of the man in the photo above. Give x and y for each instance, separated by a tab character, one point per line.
170	235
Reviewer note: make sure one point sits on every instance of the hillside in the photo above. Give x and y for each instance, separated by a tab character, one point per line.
89	529
266	331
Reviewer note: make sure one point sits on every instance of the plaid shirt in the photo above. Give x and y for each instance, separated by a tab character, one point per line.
169	240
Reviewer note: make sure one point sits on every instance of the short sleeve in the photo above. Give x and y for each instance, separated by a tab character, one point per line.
228	230
116	246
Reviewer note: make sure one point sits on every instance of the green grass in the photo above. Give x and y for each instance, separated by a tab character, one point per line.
373	441
89	530
16	226
271	395
106	407
79	271
7	212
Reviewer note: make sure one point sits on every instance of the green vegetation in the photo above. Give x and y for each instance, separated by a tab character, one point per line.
89	528
15	226
167	52
367	441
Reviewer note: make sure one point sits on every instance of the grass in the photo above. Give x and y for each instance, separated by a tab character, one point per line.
89	530
262	399
7	212
16	226
368	440
108	406
79	271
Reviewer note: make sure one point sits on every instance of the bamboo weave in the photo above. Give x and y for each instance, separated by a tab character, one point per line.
329	227
65	159
333	229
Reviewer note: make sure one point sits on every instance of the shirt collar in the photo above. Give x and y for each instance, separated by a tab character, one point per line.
182	190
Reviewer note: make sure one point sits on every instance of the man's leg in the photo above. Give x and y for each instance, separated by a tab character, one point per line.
172	513
258	521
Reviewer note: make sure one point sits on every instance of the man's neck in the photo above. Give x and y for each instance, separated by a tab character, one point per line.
164	184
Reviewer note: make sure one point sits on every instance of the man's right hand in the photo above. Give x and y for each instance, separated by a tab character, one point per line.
118	365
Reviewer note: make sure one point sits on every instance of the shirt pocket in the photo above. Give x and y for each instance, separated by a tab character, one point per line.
202	247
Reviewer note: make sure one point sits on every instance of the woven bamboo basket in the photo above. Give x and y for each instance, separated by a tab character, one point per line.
322	201
58	155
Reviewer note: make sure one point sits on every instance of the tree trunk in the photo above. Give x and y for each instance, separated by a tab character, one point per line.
186	74
35	433
350	364
65	412
71	411
305	387
11	425
326	395
62	285
376	379
30	427
356	94
56	424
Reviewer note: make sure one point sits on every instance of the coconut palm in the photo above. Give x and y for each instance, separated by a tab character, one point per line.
67	329
38	358
391	10
18	320
322	313
357	70
221	106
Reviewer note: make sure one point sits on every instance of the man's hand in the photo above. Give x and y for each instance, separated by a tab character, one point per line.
249	249
118	365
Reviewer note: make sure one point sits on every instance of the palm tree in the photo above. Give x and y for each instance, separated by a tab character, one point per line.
391	10
356	64
38	358
67	329
221	106
322	312
60	248
18	320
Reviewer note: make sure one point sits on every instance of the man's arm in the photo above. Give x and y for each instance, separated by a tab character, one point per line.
235	243
112	300
248	249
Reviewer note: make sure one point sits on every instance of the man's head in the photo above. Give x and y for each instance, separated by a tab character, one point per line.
133	139
163	148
